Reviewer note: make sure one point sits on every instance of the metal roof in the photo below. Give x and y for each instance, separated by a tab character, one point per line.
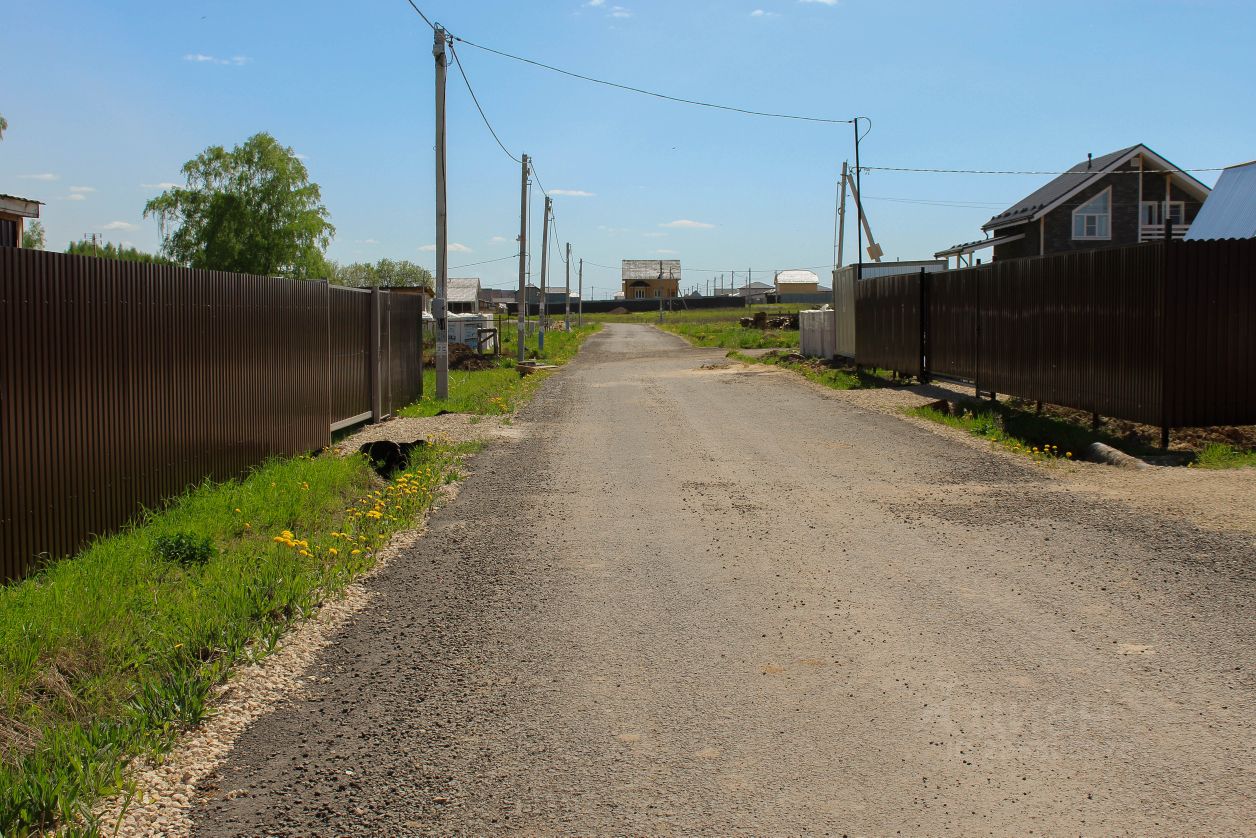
633	269
463	289
1230	211
1047	197
796	277
26	207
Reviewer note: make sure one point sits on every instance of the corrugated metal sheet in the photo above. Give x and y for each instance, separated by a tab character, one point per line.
1230	210
799	277
816	333
122	384
1158	333
463	289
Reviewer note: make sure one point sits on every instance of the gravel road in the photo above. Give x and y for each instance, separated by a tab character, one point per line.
717	601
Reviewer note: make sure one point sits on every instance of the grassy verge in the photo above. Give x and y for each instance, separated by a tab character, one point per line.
1220	455
106	656
842	377
499	389
1040	437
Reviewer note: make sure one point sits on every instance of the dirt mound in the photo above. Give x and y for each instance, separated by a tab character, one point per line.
463	357
618	310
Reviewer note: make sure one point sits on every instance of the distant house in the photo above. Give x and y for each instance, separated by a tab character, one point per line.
650	278
1118	198
491	298
796	282
754	292
1230	211
463	295
556	296
13	214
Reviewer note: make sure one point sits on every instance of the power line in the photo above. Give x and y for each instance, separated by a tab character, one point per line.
476	100
485	262
655	94
420	11
1070	172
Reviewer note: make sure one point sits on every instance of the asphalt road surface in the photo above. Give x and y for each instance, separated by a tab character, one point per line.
695	601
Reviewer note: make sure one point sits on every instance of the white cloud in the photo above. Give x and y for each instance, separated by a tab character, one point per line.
301	156
821	2
498	240
655	234
572	193
454	247
761	13
201	58
75	196
686	224
596	3
664	251
620	11
120	225
82	189
164	185
366	241
44	176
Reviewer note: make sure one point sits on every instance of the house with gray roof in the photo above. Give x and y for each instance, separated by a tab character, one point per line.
1120	198
463	294
1230	211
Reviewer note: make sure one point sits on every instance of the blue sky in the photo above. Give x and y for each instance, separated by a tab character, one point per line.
112	98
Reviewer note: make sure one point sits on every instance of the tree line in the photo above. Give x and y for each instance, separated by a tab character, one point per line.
252	209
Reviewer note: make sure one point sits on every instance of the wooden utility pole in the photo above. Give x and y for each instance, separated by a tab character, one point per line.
440	305
540	338
523	258
580	312
567	298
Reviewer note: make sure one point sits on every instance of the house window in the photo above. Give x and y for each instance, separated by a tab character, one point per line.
658	292
639	294
1152	213
1093	219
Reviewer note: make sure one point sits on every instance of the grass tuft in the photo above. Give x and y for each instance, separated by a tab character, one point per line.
844	377
1218	455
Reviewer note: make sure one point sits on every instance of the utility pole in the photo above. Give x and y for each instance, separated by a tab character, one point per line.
858	210
523	258
580	313
567	297
841	218
441	304
540	339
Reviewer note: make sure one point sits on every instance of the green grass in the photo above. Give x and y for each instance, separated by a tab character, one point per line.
1219	455
1040	437
500	389
106	656
838	378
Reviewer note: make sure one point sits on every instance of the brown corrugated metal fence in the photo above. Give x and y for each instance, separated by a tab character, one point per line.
1159	333
121	384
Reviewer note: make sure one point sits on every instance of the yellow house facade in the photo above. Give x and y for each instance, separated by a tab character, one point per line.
645	279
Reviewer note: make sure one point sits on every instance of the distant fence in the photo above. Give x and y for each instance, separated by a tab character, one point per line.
121	384
1159	333
669	304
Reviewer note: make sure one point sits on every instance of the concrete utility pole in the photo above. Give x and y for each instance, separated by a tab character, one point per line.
580	313
841	219
567	298
540	338
523	258
440	305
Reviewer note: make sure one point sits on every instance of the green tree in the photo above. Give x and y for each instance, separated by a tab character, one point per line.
114	251
386	273
33	237
4	126
250	210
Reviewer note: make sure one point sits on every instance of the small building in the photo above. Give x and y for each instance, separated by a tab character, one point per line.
796	282
1119	198
1230	210
756	293
463	295
556	297
650	278
491	298
13	214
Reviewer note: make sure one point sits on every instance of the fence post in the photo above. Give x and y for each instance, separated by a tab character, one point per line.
925	326
422	308
1164	332
377	412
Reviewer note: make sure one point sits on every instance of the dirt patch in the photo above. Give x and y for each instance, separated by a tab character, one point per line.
451	427
463	357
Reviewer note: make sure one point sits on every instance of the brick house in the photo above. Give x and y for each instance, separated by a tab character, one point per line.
650	278
1119	198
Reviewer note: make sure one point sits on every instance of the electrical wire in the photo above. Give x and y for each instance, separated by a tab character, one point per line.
420	11
1071	172
475	99
485	262
655	94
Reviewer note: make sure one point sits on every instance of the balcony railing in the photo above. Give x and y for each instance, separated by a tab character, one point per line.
1155	232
